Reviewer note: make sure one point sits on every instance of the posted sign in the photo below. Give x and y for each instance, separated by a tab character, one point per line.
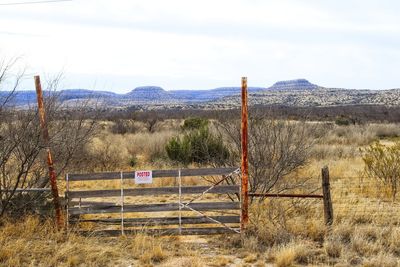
143	177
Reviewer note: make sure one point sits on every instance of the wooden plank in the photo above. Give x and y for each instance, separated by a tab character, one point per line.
27	190
163	220
156	174
90	203
170	231
200	206
221	189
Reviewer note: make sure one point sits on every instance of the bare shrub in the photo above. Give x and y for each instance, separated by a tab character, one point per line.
22	163
151	120
276	148
108	153
124	126
383	163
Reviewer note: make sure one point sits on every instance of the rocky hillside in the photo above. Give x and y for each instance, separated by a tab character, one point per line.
316	97
298	92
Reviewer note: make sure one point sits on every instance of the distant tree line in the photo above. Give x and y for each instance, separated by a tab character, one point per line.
354	114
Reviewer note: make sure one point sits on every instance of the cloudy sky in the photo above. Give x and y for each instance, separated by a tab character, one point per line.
119	45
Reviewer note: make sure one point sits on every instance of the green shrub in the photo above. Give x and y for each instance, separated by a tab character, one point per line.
194	123
178	150
197	145
133	161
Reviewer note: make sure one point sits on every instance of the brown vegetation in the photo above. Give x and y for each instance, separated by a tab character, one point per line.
284	232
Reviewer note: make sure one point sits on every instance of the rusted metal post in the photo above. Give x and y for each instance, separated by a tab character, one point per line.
245	164
46	139
328	210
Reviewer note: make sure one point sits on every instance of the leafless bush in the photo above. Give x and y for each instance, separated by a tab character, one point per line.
107	153
124	127
151	120
276	148
10	78
382	164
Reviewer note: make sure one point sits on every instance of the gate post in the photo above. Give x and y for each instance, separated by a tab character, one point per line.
244	218
328	210
50	164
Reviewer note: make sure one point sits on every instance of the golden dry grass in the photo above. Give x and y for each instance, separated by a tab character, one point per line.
37	243
283	232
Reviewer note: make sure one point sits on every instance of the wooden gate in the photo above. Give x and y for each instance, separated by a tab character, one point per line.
186	208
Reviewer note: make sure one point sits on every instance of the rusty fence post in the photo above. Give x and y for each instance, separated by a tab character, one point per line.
326	191
244	218
46	139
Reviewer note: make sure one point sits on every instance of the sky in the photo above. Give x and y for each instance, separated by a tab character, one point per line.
121	44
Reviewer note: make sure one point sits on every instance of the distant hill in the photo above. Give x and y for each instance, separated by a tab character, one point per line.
209	95
148	94
298	84
298	92
69	94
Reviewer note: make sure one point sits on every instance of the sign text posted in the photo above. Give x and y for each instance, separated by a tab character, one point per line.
143	177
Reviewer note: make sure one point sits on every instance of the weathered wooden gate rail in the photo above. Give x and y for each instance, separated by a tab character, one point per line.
153	191
156	174
203	206
76	207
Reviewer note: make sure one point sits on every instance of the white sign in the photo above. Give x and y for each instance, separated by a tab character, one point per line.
143	177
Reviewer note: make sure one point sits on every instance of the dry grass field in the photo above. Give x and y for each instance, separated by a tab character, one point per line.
282	232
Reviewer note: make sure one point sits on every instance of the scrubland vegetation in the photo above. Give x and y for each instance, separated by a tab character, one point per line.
284	232
286	155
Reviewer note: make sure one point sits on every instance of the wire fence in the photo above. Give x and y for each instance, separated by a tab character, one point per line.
355	199
364	200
